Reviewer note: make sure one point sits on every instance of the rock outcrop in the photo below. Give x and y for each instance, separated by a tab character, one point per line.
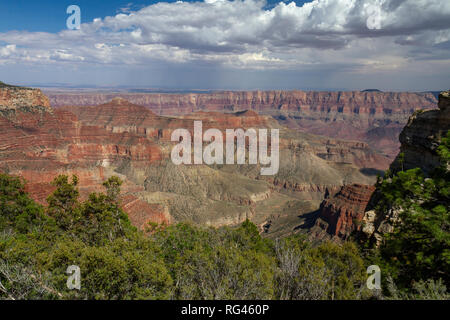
342	214
421	137
419	142
13	98
142	213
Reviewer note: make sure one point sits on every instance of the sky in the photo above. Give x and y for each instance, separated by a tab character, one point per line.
391	45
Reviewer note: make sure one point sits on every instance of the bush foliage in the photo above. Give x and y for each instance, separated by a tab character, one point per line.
181	261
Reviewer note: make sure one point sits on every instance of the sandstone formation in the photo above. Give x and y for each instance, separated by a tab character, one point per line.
14	98
141	213
120	116
342	214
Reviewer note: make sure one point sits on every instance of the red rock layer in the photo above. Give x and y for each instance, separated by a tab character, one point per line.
39	143
122	116
343	212
141	213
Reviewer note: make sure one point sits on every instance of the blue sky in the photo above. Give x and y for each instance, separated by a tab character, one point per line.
49	15
392	45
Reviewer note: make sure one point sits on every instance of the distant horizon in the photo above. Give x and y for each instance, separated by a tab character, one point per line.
143	89
161	89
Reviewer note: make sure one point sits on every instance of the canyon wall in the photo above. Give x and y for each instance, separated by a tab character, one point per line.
340	215
310	165
373	117
39	143
372	103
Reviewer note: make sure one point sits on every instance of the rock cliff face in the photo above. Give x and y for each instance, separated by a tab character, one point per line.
421	136
13	98
141	213
419	141
355	102
353	205
342	214
119	115
39	143
373	117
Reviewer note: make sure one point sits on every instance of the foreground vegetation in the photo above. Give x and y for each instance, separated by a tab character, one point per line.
417	253
183	261
37	245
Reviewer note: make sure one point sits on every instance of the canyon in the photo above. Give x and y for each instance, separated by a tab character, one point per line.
97	135
373	117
